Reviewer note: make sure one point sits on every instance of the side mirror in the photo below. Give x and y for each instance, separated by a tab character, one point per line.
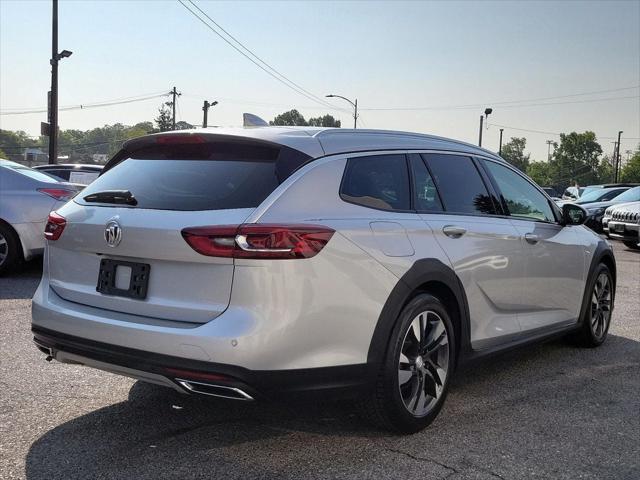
573	214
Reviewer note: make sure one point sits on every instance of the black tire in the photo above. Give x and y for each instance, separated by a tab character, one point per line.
386	405
10	250
632	245
593	329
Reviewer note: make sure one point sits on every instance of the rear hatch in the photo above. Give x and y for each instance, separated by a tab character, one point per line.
133	236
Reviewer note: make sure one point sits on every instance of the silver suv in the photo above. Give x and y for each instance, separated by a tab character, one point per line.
271	262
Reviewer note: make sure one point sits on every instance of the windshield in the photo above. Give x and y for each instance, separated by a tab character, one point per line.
631	195
599	194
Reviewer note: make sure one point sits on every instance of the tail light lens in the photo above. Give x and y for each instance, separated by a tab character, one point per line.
55	226
60	194
258	241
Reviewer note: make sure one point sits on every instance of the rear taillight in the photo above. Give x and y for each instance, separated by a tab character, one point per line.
55	226
273	241
60	194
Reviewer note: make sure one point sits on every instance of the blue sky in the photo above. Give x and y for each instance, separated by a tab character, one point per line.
387	54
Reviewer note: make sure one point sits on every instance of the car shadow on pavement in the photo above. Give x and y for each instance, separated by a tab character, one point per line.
21	284
549	396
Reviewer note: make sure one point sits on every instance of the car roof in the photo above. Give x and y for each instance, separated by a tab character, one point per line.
319	141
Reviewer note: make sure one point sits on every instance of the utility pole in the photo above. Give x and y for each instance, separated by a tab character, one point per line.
52	100
618	157
205	109
500	147
549	143
174	94
613	161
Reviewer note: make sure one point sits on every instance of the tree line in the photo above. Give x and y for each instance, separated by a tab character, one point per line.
576	159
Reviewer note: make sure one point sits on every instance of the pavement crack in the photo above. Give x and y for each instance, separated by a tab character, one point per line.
452	470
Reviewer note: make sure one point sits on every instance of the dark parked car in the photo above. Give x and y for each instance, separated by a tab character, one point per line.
593	201
592	188
553	193
73	172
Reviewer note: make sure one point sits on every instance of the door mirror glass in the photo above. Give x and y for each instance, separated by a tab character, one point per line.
573	214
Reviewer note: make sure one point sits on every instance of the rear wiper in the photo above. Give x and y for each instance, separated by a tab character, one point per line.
124	197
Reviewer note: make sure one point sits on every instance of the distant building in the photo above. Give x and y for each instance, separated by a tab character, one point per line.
100	158
34	156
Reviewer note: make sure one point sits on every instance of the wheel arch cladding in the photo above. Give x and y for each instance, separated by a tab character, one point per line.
603	254
425	276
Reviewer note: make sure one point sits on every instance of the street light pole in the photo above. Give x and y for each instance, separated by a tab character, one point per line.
205	109
487	112
53	97
500	147
52	106
549	142
353	104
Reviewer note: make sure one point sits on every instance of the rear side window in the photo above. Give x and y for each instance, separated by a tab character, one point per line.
166	184
380	181
459	184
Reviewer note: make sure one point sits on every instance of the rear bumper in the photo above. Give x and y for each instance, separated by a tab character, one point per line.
341	381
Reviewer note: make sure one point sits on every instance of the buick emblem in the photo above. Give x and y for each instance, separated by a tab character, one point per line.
113	233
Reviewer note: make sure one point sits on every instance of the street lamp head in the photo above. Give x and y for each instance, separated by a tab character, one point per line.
214	103
488	111
65	54
329	96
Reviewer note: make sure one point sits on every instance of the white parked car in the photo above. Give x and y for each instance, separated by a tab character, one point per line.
26	198
624	224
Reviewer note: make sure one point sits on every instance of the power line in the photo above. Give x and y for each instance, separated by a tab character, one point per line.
86	106
267	68
552	133
502	104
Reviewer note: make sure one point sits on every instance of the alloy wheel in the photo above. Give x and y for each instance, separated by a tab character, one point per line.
423	363
601	306
4	249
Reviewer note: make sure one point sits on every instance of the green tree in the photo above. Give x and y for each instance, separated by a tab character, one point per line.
576	160
290	118
631	171
513	152
325	121
164	118
182	125
540	172
3	155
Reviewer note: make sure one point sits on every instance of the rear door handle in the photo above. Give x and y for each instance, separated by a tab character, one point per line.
531	238
453	231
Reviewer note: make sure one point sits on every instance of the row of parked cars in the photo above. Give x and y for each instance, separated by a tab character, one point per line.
613	209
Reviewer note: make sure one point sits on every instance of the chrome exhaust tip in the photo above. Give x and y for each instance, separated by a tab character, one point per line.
214	390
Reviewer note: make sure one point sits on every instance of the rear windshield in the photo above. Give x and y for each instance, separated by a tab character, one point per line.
166	184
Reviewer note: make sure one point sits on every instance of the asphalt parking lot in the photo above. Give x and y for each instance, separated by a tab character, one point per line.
550	411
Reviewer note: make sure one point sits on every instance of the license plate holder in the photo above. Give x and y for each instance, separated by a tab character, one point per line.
618	227
138	283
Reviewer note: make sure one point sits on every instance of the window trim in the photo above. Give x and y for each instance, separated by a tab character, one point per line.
348	158
551	203
413	193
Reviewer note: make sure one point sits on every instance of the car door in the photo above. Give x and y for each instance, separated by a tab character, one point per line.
483	247
555	258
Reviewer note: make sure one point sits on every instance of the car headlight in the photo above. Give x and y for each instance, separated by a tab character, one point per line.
595	211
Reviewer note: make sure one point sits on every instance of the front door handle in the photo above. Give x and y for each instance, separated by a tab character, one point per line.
531	238
453	231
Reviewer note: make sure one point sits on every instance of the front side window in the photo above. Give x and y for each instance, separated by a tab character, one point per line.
459	184
379	181
522	198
